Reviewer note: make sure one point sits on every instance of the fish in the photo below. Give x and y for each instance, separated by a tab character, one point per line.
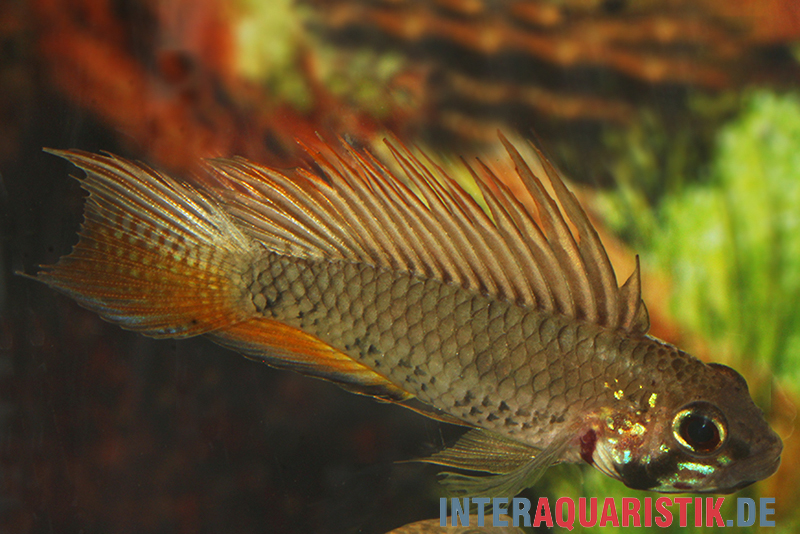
384	276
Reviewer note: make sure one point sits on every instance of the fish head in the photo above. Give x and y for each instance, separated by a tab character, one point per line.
712	439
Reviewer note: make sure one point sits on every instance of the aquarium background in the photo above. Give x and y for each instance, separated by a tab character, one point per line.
678	121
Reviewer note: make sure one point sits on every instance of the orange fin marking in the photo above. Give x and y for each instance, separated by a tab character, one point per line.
154	255
128	283
286	347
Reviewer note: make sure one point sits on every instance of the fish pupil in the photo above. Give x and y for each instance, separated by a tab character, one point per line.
700	432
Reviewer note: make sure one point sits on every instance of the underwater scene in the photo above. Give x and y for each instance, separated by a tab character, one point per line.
382	163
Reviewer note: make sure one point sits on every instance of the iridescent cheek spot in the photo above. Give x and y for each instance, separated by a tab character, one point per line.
674	468
700	470
689	475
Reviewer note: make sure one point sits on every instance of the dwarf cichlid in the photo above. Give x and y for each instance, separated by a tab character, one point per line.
397	284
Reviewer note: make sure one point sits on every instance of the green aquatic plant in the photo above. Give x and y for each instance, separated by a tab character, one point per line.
732	245
657	156
272	38
729	239
269	38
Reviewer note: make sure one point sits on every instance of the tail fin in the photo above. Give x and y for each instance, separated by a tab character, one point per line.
154	256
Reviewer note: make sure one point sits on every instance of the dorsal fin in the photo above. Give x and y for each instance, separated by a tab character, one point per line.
353	207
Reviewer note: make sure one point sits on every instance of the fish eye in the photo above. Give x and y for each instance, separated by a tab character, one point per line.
700	427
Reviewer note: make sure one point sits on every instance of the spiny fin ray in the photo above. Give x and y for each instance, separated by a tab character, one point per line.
352	207
148	241
633	313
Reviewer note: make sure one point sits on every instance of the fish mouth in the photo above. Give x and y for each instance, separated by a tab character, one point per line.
728	489
766	470
773	467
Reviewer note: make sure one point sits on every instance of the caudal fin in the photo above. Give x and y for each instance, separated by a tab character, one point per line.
154	256
158	257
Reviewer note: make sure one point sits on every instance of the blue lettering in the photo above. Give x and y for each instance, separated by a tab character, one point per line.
740	513
481	502
765	511
458	513
522	507
499	506
443	512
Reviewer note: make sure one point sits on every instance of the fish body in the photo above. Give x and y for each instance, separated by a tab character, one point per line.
464	353
405	289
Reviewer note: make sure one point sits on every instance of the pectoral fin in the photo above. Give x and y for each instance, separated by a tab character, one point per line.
516	466
482	450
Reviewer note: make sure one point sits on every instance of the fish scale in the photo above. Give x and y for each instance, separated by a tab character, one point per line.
531	362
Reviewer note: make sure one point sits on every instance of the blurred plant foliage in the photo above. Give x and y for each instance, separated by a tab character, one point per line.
273	37
732	246
269	38
728	234
731	240
657	156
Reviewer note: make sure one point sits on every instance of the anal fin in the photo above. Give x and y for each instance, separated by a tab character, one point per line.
285	347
